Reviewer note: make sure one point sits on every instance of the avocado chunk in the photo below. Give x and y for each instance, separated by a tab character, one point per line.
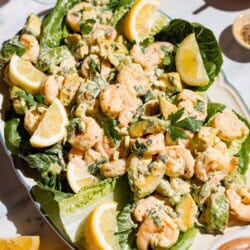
33	25
19	104
217	213
166	107
171	82
186	211
148	126
144	179
70	87
203	139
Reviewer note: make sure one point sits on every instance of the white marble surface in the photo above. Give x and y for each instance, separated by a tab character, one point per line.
18	215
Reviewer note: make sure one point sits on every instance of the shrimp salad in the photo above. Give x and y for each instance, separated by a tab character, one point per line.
137	133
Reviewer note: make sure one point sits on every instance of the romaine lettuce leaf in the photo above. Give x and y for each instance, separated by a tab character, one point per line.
53	24
11	134
120	8
244	156
185	240
68	212
213	108
178	29
10	48
244	153
125	226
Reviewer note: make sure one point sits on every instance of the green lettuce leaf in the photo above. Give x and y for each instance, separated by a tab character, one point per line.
185	240
53	29
120	8
178	29
69	212
213	108
10	48
11	134
125	226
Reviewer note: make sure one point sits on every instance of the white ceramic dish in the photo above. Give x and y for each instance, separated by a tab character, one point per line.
221	91
240	21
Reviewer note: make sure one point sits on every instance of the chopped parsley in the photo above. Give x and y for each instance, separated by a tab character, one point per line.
148	96
200	106
75	126
86	26
139	148
30	99
178	126
110	130
167	57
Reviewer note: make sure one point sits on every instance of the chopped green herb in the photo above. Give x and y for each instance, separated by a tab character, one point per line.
167	57
75	126
86	26
148	96
110	129
94	168
200	106
30	99
189	123
149	142
94	66
163	158
139	148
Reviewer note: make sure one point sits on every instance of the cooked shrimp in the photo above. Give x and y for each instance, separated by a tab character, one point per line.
33	117
105	147
88	137
214	159
113	168
155	144
81	11
152	56
144	206
194	104
68	63
179	161
88	71
101	31
239	208
75	153
51	87
133	77
91	156
77	45
118	101
158	231
229	126
32	47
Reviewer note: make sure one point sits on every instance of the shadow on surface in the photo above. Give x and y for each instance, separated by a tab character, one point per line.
231	48
3	2
226	5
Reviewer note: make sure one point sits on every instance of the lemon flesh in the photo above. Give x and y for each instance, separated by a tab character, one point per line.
20	243
140	20
24	75
101	226
52	127
78	175
189	63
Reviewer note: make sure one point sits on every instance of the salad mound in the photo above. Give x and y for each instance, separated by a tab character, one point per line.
127	150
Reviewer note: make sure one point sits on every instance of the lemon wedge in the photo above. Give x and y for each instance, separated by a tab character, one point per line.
100	227
24	75
140	20
78	175
20	243
51	129
189	63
